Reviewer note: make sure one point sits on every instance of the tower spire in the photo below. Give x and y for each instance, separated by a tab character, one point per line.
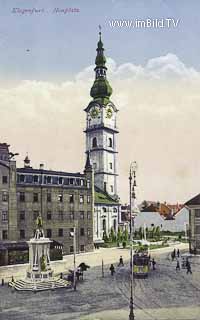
101	89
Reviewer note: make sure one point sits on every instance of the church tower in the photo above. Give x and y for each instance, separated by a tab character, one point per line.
101	128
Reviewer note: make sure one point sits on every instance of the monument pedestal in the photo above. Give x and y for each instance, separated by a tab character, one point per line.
39	274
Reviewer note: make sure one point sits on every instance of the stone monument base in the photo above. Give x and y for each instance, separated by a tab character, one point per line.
41	285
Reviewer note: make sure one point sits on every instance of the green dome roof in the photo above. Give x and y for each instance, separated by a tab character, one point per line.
101	88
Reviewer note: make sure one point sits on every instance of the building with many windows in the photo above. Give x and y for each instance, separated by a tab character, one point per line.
63	199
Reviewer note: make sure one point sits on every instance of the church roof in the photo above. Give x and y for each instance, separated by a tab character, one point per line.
102	197
101	89
194	201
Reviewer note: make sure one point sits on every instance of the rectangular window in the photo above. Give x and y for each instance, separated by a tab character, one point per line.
60	198
35	197
94	166
60	180
22	215
35	179
88	215
88	184
60	215
71	198
49	233
81	198
71	232
5	196
60	232
110	164
21	178
82	215
22	234
197	213
48	215
4	234
71	215
82	248
71	181
22	196
4	179
48	197
4	216
48	179
35	214
88	232
197	229
66	181
82	231
71	249
88	199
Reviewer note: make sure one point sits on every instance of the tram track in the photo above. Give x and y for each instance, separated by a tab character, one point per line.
148	287
122	285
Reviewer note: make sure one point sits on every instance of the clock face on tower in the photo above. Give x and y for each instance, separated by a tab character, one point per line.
94	112
109	112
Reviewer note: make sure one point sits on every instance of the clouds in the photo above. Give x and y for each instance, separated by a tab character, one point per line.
159	120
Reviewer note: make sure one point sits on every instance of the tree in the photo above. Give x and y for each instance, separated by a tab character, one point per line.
147	232
112	235
157	232
140	232
125	235
105	236
119	235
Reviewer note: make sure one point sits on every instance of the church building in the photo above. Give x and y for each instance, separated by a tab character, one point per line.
101	145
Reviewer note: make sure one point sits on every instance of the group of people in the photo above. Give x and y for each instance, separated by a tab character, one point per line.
120	264
176	254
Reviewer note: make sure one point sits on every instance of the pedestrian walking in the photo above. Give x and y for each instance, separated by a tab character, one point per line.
112	269
178	265
189	268
121	262
178	253
153	264
172	255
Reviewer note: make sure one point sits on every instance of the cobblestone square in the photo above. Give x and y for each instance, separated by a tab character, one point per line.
166	294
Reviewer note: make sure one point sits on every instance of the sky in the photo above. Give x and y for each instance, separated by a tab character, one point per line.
46	72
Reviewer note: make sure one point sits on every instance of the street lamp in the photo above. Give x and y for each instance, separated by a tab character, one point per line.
132	185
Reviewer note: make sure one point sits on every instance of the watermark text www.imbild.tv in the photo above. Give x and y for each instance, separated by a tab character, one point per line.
145	23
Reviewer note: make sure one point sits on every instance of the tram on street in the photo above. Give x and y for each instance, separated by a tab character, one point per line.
141	263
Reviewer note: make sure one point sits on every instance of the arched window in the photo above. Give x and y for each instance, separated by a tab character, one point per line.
94	142
104	225
110	144
115	225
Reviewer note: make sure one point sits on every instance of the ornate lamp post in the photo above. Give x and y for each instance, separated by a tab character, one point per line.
132	185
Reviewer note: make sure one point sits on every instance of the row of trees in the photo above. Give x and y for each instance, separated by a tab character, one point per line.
151	233
122	236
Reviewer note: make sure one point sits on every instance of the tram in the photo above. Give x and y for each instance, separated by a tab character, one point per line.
141	263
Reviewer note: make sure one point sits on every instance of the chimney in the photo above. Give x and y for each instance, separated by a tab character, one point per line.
41	166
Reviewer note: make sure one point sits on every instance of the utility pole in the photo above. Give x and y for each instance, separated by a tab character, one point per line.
74	244
132	176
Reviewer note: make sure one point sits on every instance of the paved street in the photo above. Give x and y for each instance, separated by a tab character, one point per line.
165	294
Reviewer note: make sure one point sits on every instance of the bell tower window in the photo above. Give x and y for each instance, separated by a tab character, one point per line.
94	142
110	144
